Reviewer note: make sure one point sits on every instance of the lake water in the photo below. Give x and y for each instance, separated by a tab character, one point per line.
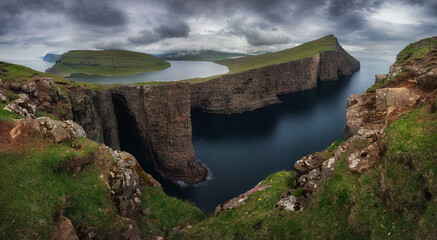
240	150
179	70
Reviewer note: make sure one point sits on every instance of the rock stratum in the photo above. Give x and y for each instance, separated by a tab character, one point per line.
160	113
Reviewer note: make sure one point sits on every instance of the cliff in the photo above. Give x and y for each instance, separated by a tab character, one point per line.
259	87
160	113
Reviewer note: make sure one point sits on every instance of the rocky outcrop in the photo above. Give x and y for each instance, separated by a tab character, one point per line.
161	114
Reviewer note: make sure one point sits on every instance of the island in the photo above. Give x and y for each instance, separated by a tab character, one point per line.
106	63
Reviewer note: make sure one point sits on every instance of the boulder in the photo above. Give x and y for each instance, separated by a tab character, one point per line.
3	97
400	97
59	131
22	106
361	160
308	163
63	229
289	202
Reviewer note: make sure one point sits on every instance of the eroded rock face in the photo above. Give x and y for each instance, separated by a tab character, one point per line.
161	114
428	80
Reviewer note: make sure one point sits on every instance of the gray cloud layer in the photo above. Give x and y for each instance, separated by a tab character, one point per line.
236	25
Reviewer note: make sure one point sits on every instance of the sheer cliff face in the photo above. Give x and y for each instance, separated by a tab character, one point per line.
161	113
258	88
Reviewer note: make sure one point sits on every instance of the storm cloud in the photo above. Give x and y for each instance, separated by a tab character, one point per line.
157	26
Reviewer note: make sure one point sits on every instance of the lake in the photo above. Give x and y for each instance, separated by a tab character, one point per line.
179	70
240	150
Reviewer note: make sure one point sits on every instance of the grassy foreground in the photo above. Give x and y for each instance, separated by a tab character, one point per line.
107	63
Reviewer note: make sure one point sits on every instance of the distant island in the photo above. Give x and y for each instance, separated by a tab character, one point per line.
50	57
201	55
106	63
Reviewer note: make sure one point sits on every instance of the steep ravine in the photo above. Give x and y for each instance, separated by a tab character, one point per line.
161	112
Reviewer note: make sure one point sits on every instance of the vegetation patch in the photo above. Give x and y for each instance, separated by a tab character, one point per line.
163	213
6	115
416	51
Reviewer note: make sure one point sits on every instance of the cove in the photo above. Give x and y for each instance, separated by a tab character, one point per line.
240	150
179	70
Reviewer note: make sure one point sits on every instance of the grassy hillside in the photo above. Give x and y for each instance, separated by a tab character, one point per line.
107	63
327	43
201	55
24	75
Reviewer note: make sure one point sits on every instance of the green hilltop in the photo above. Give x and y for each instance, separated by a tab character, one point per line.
327	43
106	63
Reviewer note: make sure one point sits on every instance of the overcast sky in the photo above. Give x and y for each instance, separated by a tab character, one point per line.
366	28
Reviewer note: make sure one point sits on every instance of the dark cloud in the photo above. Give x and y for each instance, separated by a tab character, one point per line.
254	25
172	29
98	13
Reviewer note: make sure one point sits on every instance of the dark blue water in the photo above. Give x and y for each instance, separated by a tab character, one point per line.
179	70
240	150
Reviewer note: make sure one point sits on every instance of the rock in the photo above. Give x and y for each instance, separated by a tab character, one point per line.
308	163
3	97
361	114
123	182
428	81
132	232
398	97
63	229
22	106
361	160
289	202
14	86
328	167
59	131
394	70
380	77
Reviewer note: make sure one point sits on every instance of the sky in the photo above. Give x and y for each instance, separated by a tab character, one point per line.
365	28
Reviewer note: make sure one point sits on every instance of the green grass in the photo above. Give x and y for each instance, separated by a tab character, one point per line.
164	213
33	188
415	51
108	63
6	115
309	49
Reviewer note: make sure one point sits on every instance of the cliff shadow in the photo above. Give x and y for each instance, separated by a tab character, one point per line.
128	132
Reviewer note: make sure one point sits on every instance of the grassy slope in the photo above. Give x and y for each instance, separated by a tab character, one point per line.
108	63
33	189
327	43
347	205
